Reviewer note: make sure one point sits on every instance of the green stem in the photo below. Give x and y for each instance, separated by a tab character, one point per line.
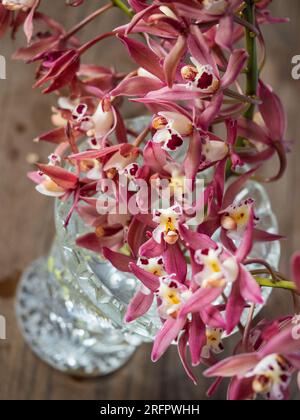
252	71
123	7
280	284
251	46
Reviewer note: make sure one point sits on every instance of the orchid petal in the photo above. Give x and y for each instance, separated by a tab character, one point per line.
263	236
236	63
63	178
175	262
234	366
199	49
283	343
182	350
249	288
200	299
137	86
195	240
224	35
155	157
197	338
246	244
173	59
250	130
235	307
144	56
140	304
119	261
234	188
212	317
211	111
136	235
148	279
272	112
166	336
240	389
151	249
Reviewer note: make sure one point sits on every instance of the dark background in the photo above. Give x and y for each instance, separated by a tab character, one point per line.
26	228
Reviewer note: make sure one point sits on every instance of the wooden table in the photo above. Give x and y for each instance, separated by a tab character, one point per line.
27	231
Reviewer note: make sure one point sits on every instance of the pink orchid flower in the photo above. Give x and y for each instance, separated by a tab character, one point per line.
267	371
270	135
215	271
214	342
170	129
218	267
233	216
54	181
59	68
168	224
97	126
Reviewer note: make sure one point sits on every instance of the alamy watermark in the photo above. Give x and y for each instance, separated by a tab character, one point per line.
296	327
2	67
147	197
296	67
2	328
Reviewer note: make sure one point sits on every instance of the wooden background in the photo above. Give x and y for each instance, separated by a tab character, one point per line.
26	218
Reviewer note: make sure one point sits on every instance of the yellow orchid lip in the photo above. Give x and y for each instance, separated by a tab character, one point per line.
51	186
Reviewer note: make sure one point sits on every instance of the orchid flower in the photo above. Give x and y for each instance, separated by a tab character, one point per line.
268	371
98	125
235	218
53	180
152	265
172	296
168	224
186	77
213	342
213	271
170	129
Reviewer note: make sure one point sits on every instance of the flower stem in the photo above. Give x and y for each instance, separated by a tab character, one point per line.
280	284
87	20
123	7
251	46
94	41
252	71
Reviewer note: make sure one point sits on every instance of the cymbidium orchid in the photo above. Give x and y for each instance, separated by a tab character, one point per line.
214	272
191	258
170	129
268	370
168	224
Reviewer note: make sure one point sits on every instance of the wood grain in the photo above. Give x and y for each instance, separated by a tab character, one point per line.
26	220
